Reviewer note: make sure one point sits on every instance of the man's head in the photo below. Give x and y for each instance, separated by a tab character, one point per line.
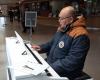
66	16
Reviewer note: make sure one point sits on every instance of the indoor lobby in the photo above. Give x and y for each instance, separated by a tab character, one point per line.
43	31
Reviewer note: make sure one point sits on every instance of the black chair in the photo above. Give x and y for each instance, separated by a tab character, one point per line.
84	76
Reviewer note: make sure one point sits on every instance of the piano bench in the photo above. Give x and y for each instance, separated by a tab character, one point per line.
84	76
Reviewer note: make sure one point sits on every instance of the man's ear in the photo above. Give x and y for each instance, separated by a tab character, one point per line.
71	19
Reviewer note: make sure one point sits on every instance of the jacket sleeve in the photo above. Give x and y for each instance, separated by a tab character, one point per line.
76	56
47	46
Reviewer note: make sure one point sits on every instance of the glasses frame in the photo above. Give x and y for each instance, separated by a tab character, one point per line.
62	18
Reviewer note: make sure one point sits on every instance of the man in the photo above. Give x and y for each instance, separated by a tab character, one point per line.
23	20
67	51
11	14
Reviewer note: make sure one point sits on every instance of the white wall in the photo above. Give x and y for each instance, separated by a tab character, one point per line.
4	9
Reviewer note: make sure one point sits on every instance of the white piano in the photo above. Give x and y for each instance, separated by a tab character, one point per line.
24	63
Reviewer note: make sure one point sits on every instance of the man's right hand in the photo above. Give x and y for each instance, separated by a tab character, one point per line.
36	47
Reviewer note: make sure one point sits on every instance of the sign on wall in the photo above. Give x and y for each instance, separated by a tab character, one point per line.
30	18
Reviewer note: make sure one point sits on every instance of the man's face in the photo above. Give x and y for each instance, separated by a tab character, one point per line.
64	19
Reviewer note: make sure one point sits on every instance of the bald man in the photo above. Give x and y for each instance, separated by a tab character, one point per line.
67	51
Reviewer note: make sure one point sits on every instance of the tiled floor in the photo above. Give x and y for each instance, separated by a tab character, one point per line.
44	32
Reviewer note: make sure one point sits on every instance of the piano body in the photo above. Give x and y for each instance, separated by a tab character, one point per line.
18	57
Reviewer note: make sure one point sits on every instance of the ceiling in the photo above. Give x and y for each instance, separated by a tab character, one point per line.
8	1
16	1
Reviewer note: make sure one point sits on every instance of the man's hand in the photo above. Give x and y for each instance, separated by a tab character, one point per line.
36	47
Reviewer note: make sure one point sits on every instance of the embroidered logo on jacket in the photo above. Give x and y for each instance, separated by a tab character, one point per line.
61	44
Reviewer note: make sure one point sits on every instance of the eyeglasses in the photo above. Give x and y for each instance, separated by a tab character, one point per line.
62	18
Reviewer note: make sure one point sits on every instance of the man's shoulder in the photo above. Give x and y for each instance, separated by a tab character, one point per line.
77	31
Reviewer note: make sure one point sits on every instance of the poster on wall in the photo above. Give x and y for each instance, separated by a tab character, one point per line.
30	18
